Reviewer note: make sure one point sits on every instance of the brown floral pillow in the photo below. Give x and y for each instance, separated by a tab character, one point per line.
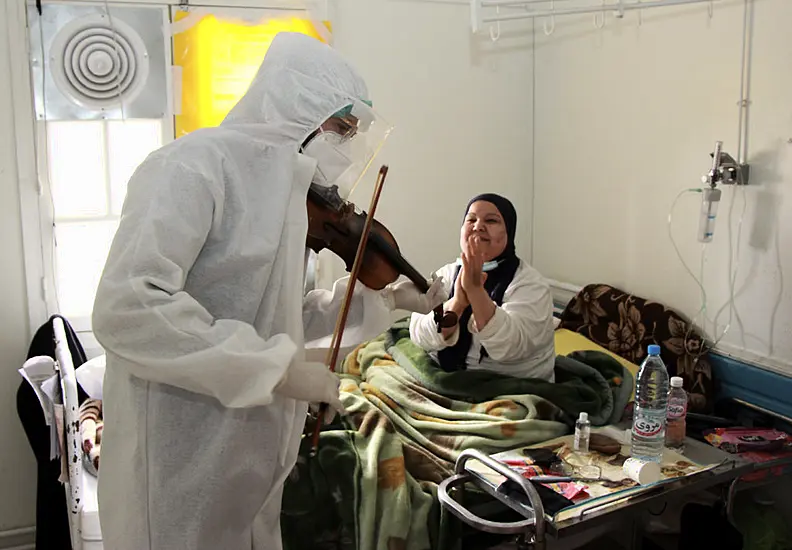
627	325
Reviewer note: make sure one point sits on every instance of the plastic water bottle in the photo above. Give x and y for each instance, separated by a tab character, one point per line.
651	398
677	411
582	434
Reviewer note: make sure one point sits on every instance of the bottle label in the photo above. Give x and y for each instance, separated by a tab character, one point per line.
648	424
676	411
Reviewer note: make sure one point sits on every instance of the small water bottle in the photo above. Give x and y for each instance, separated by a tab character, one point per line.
677	410
651	399
582	434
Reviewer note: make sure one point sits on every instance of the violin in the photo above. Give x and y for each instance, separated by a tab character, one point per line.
336	225
371	255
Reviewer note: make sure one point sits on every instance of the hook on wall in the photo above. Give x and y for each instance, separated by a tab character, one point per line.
495	35
548	30
599	18
481	21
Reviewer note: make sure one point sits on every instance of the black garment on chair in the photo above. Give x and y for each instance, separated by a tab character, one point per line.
52	516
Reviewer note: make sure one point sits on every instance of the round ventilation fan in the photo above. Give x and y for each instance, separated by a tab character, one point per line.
99	66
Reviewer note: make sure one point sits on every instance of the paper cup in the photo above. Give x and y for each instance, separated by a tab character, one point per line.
642	471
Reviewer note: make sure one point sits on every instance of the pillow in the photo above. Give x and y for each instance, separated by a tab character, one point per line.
567	341
90	376
627	324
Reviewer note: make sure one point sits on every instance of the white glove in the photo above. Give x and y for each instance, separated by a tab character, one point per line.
314	383
407	296
330	412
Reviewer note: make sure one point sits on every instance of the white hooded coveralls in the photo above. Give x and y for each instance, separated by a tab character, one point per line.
200	310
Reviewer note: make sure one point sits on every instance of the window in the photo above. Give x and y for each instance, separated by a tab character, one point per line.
90	163
83	161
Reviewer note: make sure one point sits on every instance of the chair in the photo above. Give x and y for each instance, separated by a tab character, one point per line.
65	520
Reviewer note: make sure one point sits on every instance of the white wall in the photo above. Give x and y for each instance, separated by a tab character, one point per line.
17	464
626	117
462	115
462	111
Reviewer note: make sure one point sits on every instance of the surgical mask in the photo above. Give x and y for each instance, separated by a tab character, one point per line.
488	266
334	156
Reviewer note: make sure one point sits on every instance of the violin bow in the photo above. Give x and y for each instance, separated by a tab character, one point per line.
343	313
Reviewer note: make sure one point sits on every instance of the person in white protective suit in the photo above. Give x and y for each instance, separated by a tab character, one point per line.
201	310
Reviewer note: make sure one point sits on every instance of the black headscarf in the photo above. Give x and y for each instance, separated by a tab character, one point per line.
454	357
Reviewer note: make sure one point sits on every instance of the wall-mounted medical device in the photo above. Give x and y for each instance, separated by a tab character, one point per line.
727	171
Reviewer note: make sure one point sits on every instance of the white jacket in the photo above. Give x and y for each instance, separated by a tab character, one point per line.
519	337
201	311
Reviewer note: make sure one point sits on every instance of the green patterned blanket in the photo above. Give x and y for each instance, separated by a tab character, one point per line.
373	484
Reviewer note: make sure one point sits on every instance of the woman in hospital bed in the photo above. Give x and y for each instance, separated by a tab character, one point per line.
504	305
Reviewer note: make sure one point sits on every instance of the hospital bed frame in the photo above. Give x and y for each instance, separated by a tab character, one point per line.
530	531
537	532
71	427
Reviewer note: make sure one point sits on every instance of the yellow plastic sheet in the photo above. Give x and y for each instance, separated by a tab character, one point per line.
217	57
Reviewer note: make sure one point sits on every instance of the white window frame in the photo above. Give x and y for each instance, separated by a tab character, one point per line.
36	206
34	197
32	207
81	323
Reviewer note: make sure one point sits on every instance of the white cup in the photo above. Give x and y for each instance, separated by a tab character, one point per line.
642	471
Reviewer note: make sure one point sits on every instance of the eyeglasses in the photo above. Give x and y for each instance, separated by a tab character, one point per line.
346	127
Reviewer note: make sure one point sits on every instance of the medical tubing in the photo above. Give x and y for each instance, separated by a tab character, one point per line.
676	248
699	280
733	268
734	262
742	153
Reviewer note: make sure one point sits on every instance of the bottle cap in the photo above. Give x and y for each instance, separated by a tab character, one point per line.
583	417
654	349
676	382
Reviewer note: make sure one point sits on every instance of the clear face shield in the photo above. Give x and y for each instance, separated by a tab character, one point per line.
345	147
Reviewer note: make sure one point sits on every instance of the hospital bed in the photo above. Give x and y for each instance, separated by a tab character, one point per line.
81	486
516	507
